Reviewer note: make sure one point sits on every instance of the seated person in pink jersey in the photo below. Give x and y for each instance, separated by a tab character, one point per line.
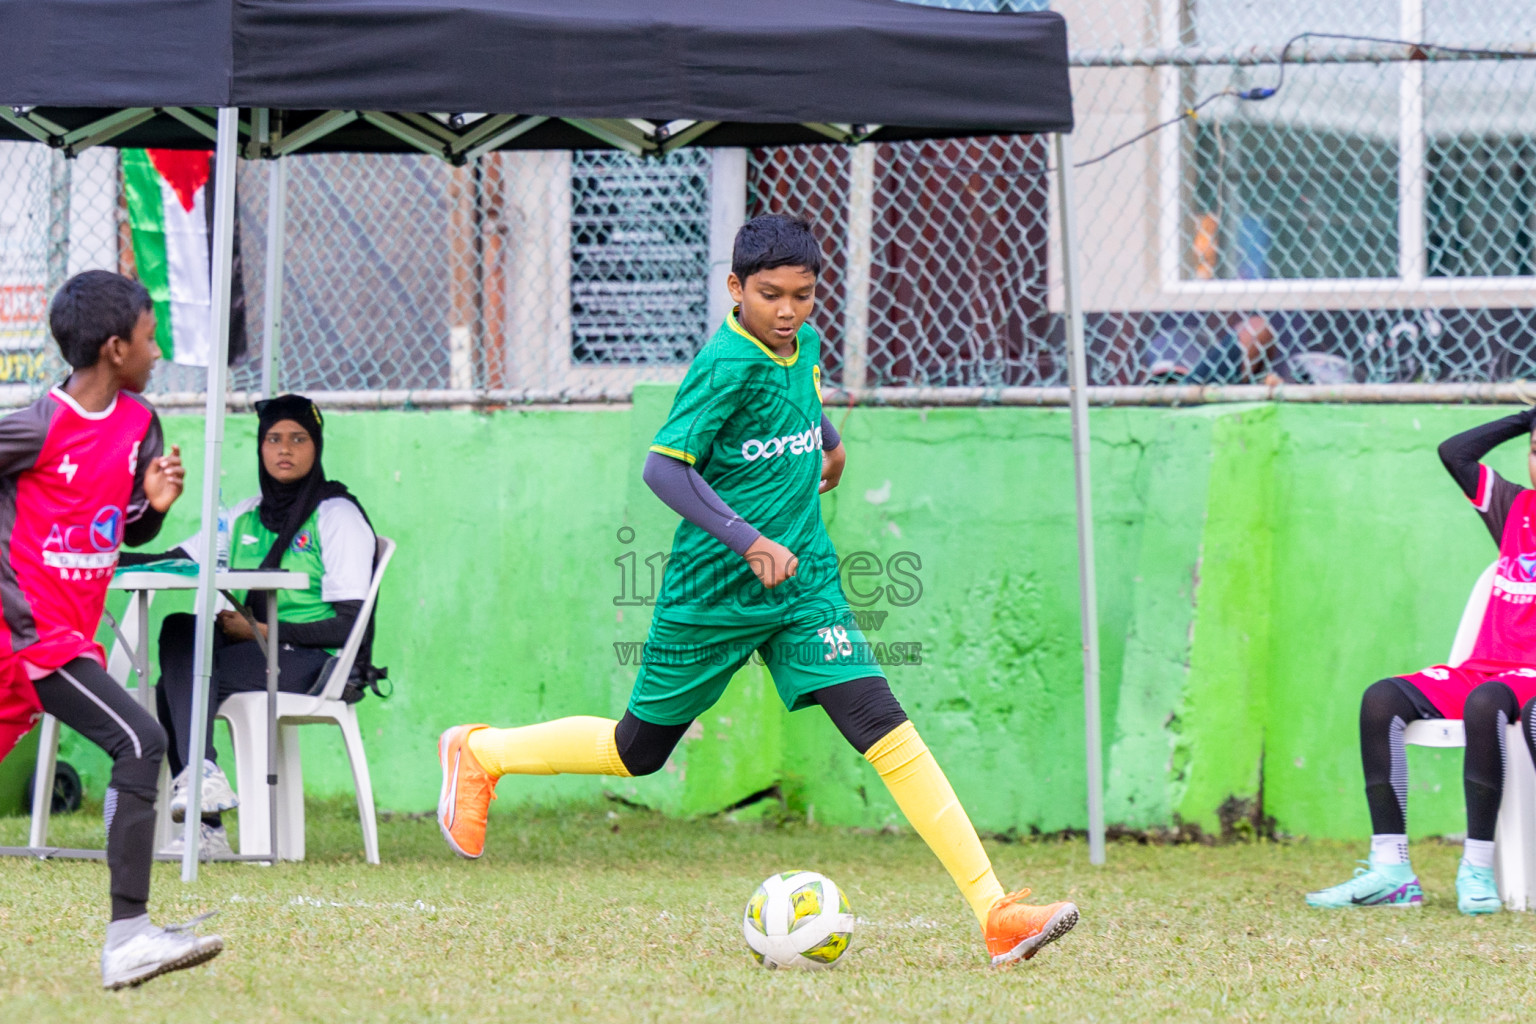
1487	691
82	471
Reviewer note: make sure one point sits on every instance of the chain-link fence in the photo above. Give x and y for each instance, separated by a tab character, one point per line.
39	194
1317	211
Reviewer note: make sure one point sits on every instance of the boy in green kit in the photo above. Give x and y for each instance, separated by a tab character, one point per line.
743	458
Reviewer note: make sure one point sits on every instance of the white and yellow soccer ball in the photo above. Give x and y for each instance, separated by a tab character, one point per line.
798	919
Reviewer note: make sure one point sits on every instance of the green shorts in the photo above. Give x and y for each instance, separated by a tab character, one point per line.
685	667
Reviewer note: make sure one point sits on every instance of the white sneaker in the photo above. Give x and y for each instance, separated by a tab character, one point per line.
155	952
212	842
218	796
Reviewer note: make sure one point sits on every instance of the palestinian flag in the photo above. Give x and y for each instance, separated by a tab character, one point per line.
170	210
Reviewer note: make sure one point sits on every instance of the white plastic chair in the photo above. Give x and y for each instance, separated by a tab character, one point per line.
1515	837
246	714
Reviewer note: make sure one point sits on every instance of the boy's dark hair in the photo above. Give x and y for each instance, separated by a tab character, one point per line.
774	240
92	307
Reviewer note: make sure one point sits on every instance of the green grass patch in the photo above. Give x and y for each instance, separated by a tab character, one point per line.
619	914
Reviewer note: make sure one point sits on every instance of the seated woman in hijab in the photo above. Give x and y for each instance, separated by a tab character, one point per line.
300	522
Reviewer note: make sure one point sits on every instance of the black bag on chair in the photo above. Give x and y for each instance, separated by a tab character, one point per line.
365	675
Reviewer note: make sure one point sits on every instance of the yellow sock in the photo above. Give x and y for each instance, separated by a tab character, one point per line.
582	745
926	798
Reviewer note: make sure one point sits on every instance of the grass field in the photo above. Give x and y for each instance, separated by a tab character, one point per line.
617	914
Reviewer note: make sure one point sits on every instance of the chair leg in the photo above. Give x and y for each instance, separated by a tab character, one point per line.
163	823
1515	840
42	786
248	735
290	794
361	781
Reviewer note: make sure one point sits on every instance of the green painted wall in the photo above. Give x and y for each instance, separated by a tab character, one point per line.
1375	550
1258	567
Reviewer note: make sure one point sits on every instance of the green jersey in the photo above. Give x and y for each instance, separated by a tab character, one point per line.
334	547
750	422
249	543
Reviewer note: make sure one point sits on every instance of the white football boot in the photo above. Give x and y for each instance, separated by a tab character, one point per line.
213	841
218	795
151	951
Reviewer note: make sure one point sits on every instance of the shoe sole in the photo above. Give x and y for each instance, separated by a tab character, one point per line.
192	959
1061	922
1403	905
204	855
179	814
449	794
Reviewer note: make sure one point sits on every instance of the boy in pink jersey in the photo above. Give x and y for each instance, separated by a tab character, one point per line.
82	471
1487	691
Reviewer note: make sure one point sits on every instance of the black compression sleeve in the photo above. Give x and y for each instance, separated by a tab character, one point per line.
684	491
830	438
141	557
1462	453
331	632
143	529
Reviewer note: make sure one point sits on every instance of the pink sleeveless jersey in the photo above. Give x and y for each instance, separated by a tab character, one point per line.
1507	639
1505	648
71	485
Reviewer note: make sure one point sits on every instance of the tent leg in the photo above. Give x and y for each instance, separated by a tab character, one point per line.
1077	365
213	446
277	218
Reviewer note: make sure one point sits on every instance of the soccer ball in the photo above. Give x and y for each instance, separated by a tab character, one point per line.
798	919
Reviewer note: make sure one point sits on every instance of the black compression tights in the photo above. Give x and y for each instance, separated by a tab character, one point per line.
1528	726
83	697
1385	711
863	710
1489	709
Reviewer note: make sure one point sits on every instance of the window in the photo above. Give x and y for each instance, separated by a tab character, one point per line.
1480	141
1407	172
639	257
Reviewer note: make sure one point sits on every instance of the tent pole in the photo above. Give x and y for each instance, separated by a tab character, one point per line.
1077	372
213	445
277	218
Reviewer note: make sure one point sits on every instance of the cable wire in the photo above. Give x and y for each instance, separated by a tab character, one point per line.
1254	95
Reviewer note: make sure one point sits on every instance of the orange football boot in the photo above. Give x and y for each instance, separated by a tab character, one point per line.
468	790
1018	930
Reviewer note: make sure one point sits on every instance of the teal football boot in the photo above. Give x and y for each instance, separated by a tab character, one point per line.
1375	885
1476	890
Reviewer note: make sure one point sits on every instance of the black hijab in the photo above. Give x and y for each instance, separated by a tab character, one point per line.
286	507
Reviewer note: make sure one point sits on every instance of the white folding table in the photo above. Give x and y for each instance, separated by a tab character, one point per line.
139	584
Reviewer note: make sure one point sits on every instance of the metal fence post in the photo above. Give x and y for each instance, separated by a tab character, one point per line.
60	185
861	227
727	213
272	315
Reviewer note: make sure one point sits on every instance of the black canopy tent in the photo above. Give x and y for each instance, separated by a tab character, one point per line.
459	78
643	76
